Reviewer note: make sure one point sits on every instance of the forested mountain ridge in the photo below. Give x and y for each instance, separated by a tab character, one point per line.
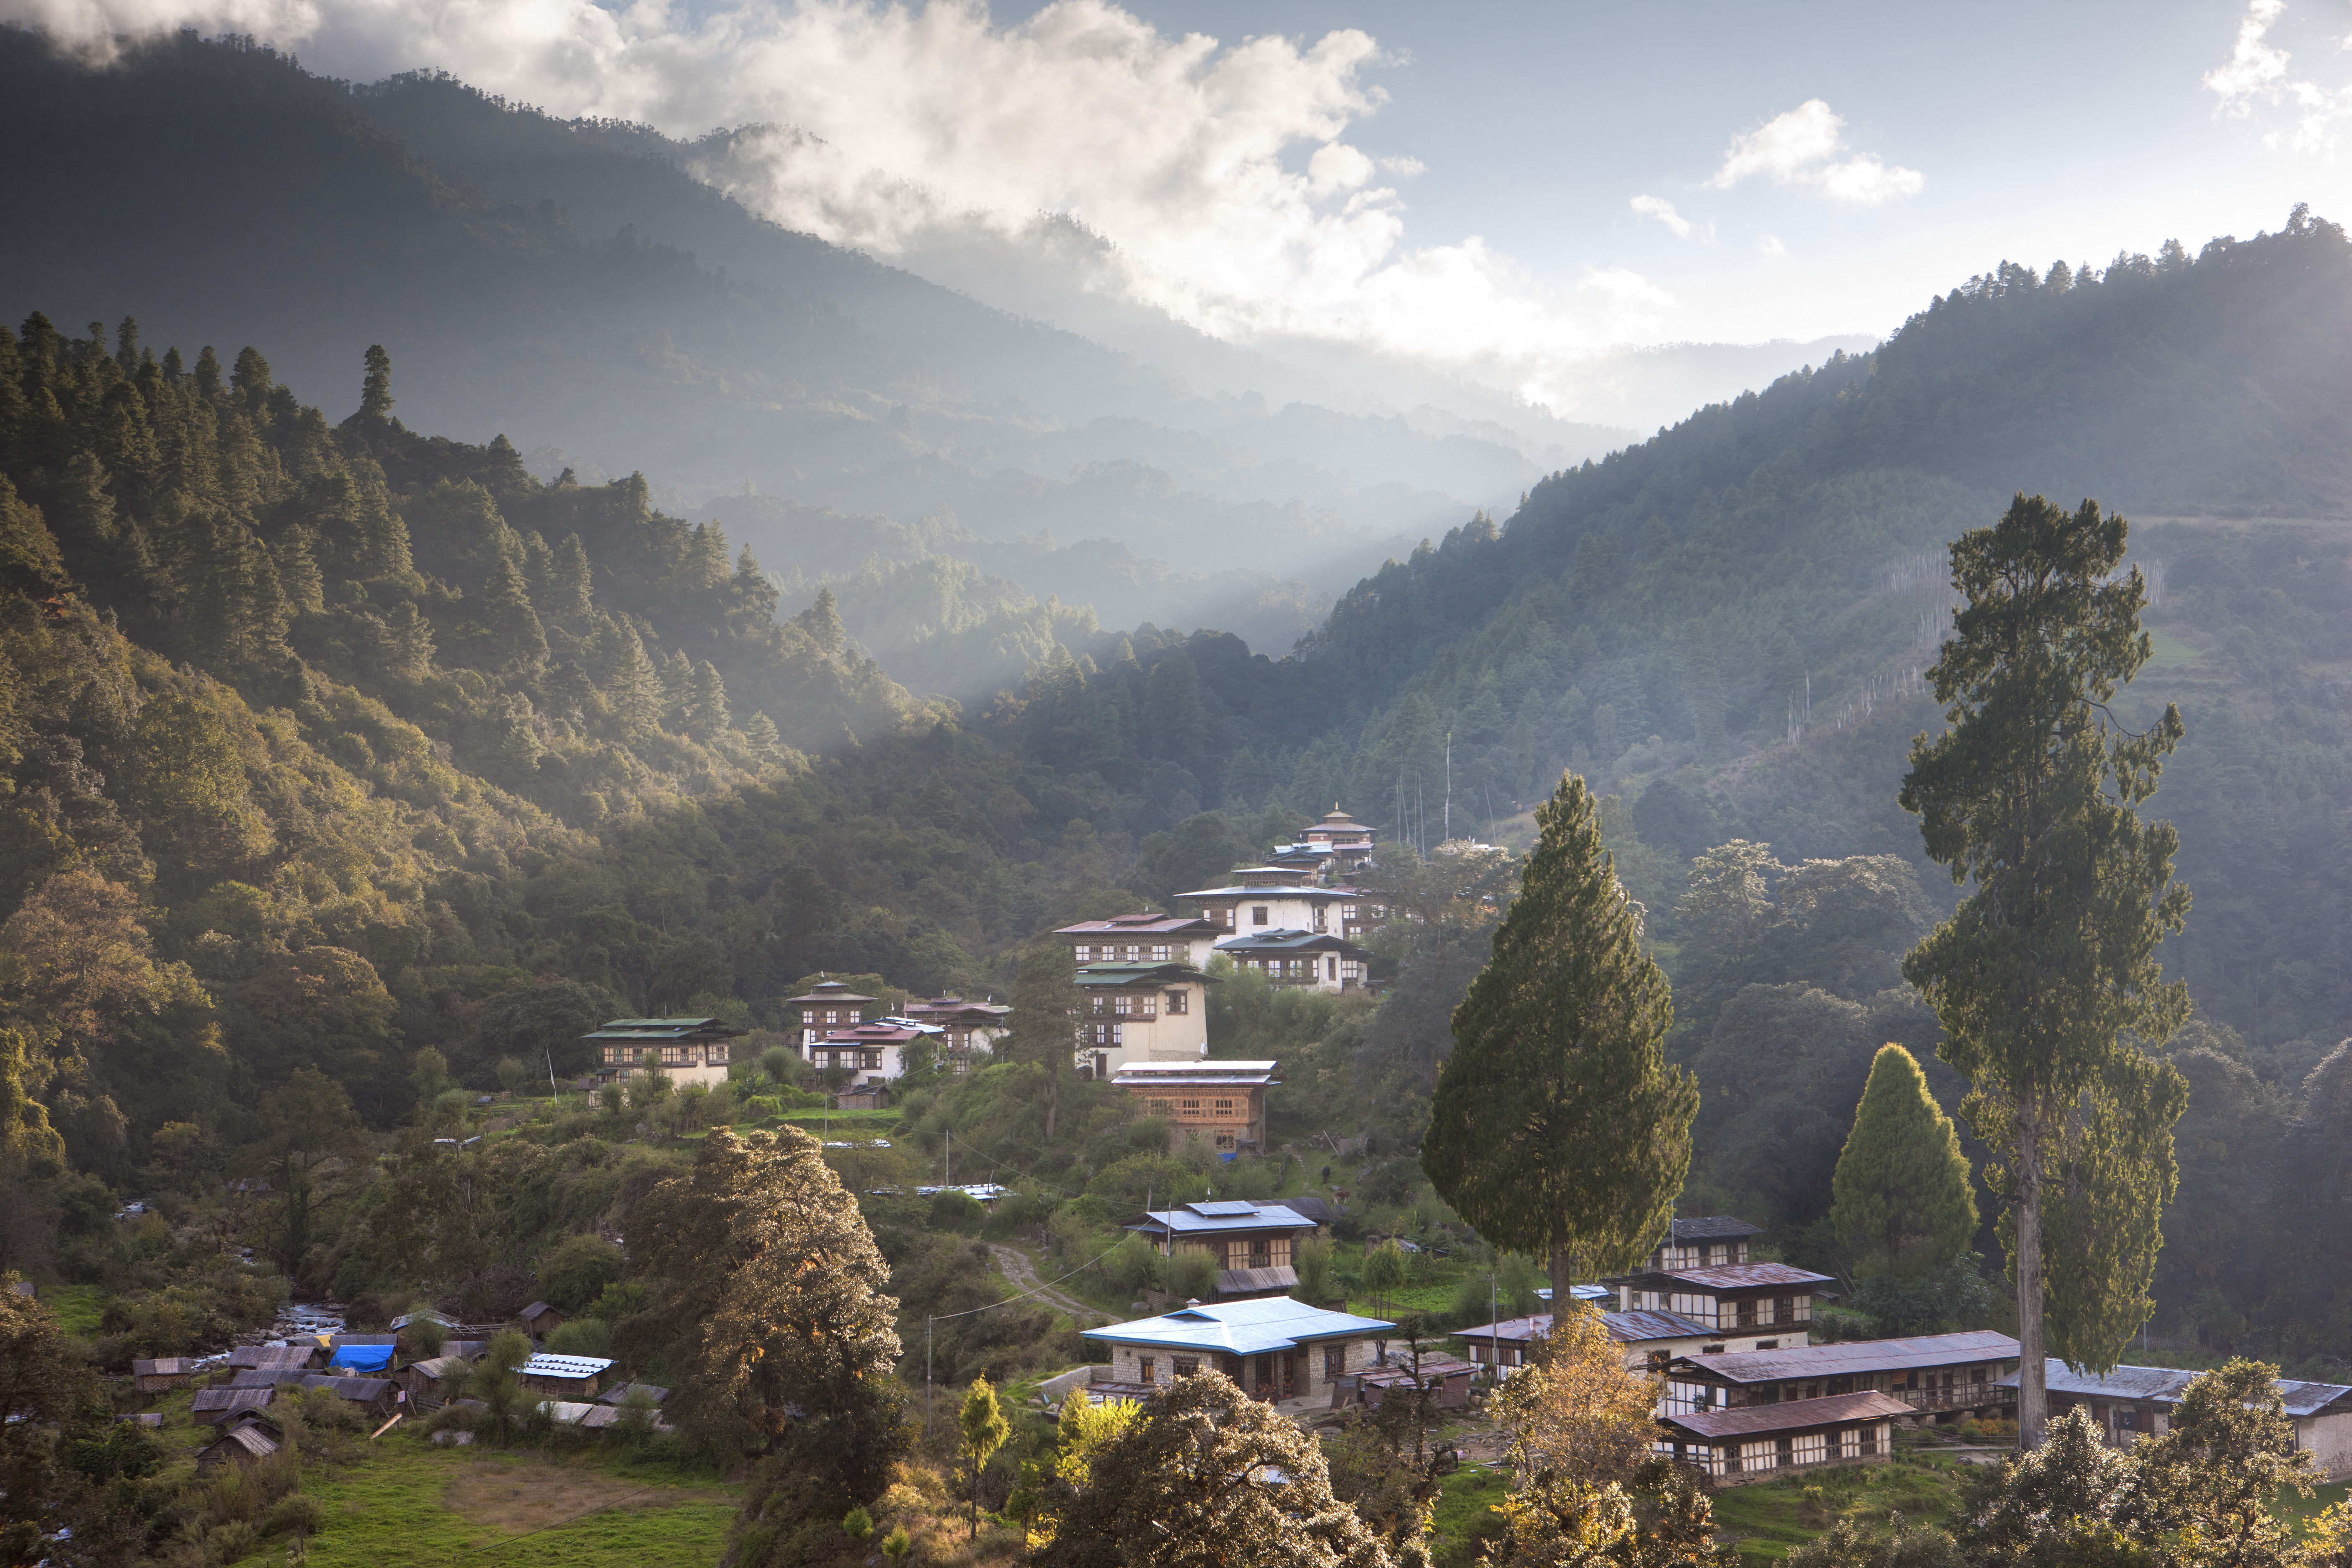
573	285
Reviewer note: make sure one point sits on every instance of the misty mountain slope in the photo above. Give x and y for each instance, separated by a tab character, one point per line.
1727	623
221	194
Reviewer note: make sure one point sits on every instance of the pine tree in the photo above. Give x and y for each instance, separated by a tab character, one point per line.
252	381
298	570
1045	1017
568	603
1557	1128
754	597
1901	1192
408	643
375	387
208	376
517	642
677	690
2031	792
630	682
766	743
822	621
980	1430
707	717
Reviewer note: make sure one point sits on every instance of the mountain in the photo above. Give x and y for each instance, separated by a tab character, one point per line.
573	287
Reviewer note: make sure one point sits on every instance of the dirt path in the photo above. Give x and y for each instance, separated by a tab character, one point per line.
1023	1273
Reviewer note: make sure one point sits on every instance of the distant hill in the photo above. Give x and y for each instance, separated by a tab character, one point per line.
570	287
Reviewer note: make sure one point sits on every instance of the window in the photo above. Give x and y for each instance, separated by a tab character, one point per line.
1084	953
1184	1365
1768	1344
1746	1316
870	1059
1869	1443
1177	1003
1784	1451
1260	915
1335	1361
1159	952
1225	1141
1330	969
1812	1448
1712	1350
1188	1107
1225	1108
831	1016
1784	1309
1147	1368
1162	1107
1133	953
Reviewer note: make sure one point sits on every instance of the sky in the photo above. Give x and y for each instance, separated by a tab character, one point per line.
1505	189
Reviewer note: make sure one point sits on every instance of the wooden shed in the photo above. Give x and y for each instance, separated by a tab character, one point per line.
219	1406
430	1383
541	1319
379	1396
162	1373
565	1376
304	1357
240	1445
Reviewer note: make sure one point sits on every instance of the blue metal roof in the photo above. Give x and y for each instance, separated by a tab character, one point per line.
1190	1221
1241	1328
2165	1386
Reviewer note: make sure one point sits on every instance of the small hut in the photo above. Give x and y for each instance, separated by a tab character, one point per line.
541	1319
565	1376
430	1383
219	1406
378	1396
621	1391
162	1373
301	1357
240	1445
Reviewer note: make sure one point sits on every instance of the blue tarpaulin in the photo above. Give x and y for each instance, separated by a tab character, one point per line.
364	1358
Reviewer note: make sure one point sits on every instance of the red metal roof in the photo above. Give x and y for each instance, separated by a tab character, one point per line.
1792	1415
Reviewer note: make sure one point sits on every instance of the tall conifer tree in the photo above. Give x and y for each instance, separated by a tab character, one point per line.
1901	1192
2031	793
1557	1128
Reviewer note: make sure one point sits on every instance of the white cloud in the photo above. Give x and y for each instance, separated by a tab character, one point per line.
2256	73
1160	169
1664	211
1801	148
1770	246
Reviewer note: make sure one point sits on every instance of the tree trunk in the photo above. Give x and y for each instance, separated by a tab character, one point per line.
1053	1095
1563	1275
2032	1371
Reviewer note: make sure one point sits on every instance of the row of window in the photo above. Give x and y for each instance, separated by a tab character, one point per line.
846	1058
713	1054
1132	952
1780	1453
1139	1005
1146	1367
1183	1109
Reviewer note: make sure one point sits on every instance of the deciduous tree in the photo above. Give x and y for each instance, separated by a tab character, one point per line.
2031	793
980	1430
1557	1128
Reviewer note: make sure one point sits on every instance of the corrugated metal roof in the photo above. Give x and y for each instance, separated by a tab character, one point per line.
229	1399
1625	1328
1241	1328
1205	1073
614	1395
1144	924
1633	1328
1713	1228
1790	1416
2165	1386
249	1437
1113	975
1737	1276
656	1030
1278	891
1851	1358
164	1366
1288	942
833	992
1248	1282
545	1365
1251	1216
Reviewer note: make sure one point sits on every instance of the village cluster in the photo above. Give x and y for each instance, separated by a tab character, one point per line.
410	1372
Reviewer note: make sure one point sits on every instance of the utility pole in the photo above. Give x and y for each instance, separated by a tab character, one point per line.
1447	832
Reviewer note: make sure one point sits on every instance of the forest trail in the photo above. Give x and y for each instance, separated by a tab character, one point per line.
1023	1272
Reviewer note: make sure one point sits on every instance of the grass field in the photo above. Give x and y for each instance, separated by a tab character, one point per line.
1465	1514
79	1307
1767	1518
409	1504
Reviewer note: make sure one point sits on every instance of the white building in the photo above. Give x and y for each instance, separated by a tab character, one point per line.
1141	1013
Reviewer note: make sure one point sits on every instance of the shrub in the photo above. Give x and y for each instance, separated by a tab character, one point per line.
581	1336
958	1212
578	1270
296	1514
